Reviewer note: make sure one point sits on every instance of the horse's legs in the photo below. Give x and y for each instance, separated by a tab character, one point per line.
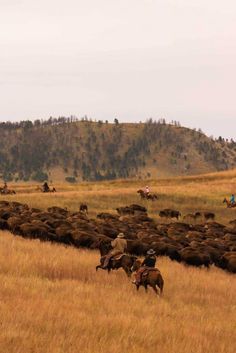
127	271
161	285
154	288
98	266
146	288
137	286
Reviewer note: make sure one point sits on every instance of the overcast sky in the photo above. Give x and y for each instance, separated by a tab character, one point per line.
125	59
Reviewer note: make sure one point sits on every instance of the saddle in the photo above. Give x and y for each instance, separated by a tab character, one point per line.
149	269
117	257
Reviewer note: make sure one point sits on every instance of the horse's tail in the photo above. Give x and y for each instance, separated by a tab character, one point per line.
160	282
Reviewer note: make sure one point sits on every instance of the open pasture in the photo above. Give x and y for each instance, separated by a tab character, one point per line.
53	301
188	194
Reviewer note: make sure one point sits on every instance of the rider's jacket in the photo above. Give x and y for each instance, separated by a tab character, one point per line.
119	245
149	261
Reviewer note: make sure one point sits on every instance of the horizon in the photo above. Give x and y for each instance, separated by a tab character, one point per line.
130	60
89	119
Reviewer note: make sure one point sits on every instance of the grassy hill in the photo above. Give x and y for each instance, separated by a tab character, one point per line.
60	149
53	301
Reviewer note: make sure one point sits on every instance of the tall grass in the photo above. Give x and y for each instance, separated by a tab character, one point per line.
53	301
188	194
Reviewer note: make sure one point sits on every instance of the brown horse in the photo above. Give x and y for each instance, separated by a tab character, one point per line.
7	191
151	277
39	188
145	196
229	204
124	261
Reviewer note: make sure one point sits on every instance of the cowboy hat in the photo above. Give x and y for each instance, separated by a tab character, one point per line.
151	252
120	235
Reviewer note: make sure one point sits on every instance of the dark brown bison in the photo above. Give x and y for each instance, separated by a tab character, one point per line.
194	257
34	231
192	216
168	213
138	208
3	224
58	210
125	211
228	261
83	208
233	223
209	215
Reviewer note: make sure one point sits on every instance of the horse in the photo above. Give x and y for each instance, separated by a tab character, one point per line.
151	277
39	188
124	261
145	196
50	190
152	197
229	204
7	191
142	194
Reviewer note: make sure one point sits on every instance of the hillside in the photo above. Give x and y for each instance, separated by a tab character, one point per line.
62	148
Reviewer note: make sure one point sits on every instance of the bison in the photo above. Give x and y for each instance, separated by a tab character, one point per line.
168	213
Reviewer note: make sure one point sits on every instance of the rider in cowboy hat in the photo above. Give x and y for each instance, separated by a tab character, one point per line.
147	190
148	263
119	245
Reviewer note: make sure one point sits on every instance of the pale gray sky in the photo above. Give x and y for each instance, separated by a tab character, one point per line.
130	59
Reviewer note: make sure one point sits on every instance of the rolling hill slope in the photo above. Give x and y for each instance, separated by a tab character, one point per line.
85	150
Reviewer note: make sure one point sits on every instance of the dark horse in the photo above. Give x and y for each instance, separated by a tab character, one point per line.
152	278
40	188
145	196
124	261
7	191
229	204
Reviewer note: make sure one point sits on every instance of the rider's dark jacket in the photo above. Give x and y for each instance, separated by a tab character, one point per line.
149	261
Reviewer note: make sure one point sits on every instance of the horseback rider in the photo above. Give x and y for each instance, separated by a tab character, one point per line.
5	186
45	187
232	199
119	245
147	190
148	264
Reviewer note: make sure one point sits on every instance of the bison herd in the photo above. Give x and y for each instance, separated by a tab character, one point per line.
194	244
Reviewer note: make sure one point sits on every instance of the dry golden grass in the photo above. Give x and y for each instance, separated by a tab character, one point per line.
53	301
187	194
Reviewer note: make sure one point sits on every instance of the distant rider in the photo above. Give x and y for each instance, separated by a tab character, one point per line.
147	190
232	199
45	187
148	264
119	246
5	186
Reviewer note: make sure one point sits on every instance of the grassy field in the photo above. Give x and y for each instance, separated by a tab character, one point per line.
188	194
53	301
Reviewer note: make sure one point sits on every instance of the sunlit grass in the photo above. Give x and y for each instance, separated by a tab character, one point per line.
188	194
52	300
